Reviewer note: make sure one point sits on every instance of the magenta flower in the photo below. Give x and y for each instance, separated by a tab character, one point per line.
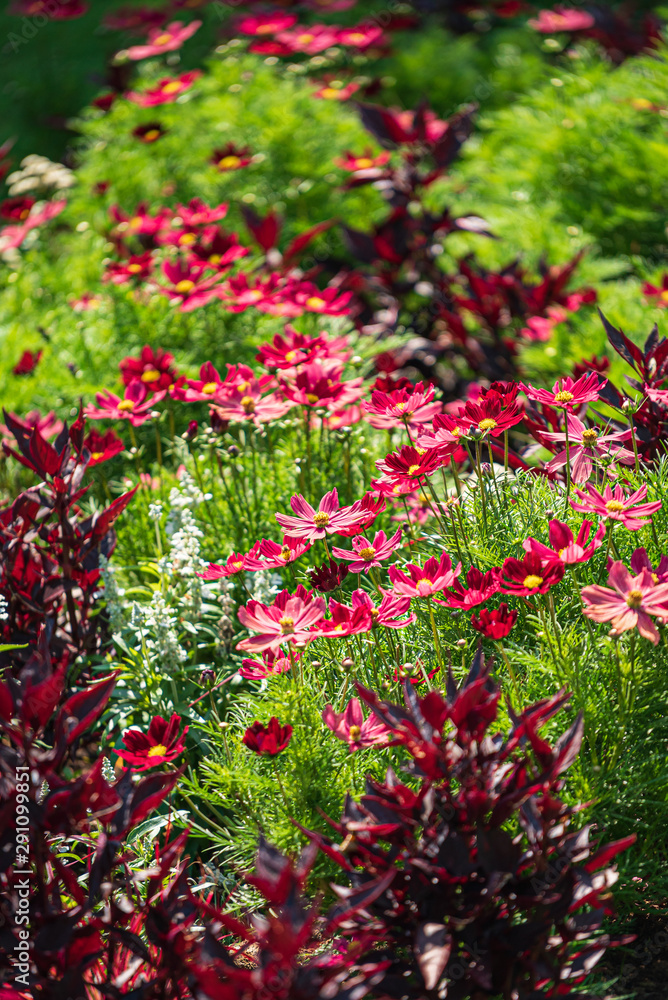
351	727
613	505
161	40
345	621
275	555
135	406
288	619
366	554
530	575
423	581
481	586
628	602
392	409
640	561
586	442
310	524
163	742
564	546
391	612
549	22
495	624
567	393
268	665
166	91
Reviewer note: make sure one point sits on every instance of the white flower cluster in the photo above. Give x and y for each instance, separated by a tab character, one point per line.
264	585
39	172
4	609
184	560
112	595
164	645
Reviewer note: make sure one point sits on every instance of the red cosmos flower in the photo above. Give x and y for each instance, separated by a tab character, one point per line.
567	393
292	349
616	506
310	524
217	249
238	405
530	575
209	386
628	602
136	268
366	554
489	416
402	406
274	555
11	237
328	576
189	284
495	624
102	447
564	546
391	612
235	563
16	209
140	223
312	39
154	368
361	36
550	22
313	387
288	619
231	157
269	740
266	24
134	406
167	39
328	302
27	363
351	727
659	293
269	665
640	561
409	465
584	443
344	621
160	744
328	92
148	133
365	161
423	581
370	507
63	10
237	294
166	91
480	587
105	101
445	436
198	213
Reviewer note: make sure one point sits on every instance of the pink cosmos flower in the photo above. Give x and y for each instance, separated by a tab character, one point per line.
288	619
135	268
549	22
628	602
166	91
344	621
351	727
329	92
361	36
659	293
564	546
312	39
394	409
248	404
11	237
310	523
266	24
269	665
134	406
567	393
613	505
586	442
423	581
480	587
274	555
366	554
235	563
390	613
370	507
167	39
327	301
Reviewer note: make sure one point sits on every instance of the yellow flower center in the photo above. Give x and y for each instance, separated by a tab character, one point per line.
634	598
229	163
172	88
424	582
184	286
150	376
153	133
291	355
315	302
355	733
285	552
312	398
254	294
157	751
641	104
305	39
287	625
488	424
97	455
265	29
589	437
209	388
24	214
563	397
614	506
163	39
134	268
363	163
329	93
321	519
186	239
214	258
367	554
664	296
531	582
248	404
238	564
561	553
356	36
136	222
126	405
412	469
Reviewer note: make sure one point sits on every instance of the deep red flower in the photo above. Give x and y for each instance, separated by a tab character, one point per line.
163	742
494	624
310	523
480	587
291	349
489	416
56	10
370	507
16	209
134	406
564	545
328	301
446	435
351	726
148	133
166	91
167	39
266	24
328	576
155	369
614	505
231	157
628	602
423	581
658	293
409	465
529	575
269	740
216	248
141	222
189	284
135	19
102	447
363	162
344	621
288	619
27	363
567	393
136	268
205	389
198	213
366	554
413	672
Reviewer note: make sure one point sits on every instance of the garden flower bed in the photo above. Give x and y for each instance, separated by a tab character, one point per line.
333	531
